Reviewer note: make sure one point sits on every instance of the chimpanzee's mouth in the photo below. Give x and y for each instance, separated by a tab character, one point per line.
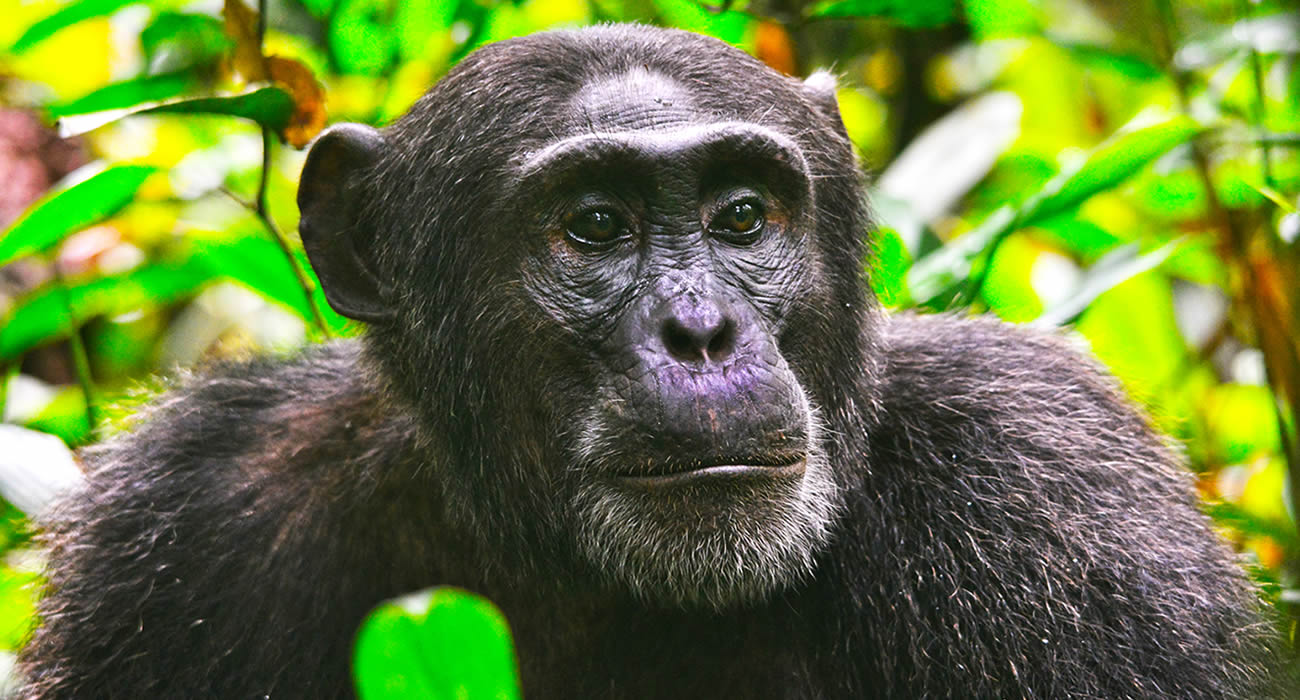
720	471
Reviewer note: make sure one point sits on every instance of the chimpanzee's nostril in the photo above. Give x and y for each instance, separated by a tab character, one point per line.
722	342
707	342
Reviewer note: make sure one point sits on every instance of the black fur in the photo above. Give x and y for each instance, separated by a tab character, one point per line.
1005	525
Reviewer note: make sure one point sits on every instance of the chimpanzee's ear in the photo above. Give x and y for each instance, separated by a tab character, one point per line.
337	241
820	88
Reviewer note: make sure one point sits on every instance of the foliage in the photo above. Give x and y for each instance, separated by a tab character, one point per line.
1128	168
440	643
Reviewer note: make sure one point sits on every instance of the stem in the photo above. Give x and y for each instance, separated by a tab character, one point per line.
1236	245
262	210
1258	109
80	358
7	371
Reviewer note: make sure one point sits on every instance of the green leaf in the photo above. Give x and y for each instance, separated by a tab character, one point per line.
129	93
360	36
64	17
85	203
1242	422
1094	56
918	14
1111	163
889	268
418	21
64	416
256	261
728	26
440	644
992	19
175	41
269	106
43	316
1112	270
1131	328
18	591
946	267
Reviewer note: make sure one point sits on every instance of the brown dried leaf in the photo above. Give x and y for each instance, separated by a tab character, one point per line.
774	47
241	25
308	99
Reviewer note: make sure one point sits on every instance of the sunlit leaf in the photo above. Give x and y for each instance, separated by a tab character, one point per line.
64	416
129	94
359	43
1112	270
73	209
1009	285
442	644
939	271
419	22
909	13
271	107
1132	329
889	268
992	19
257	262
953	154
1109	164
43	316
1243	520
18	592
1242	421
66	16
175	41
35	468
1105	167
729	26
1078	235
1094	56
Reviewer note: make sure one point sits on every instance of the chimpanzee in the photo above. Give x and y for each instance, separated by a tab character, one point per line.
623	375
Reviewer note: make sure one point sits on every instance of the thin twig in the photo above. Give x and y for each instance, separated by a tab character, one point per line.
1238	250
7	371
304	281
1258	109
262	210
80	358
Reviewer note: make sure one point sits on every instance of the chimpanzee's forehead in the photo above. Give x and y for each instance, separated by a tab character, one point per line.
634	100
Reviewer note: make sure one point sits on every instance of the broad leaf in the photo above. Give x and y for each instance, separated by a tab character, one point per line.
441	644
729	26
254	260
271	107
1112	270
1105	167
359	42
73	209
35	468
66	16
43	316
175	41
129	94
909	13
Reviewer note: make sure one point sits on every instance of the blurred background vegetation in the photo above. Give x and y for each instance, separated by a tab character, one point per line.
1129	168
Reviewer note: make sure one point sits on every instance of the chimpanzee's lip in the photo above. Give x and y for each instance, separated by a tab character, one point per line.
786	467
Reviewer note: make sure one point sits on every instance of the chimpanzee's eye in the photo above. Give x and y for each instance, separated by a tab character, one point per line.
739	222
595	227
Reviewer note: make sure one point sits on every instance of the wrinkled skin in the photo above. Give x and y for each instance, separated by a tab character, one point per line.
622	374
